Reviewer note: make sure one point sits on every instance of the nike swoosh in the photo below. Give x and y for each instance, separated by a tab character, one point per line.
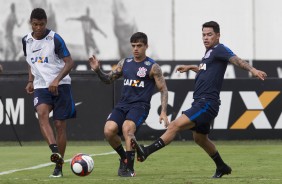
36	50
78	103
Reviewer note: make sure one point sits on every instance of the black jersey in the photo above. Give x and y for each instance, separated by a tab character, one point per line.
209	79
138	87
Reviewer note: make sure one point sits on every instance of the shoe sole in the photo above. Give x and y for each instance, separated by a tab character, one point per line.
139	149
56	158
53	176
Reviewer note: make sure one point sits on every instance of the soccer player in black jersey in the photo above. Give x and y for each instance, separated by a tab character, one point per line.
208	82
141	75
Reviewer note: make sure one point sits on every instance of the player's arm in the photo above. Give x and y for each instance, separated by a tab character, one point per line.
246	66
69	63
107	78
72	18
157	74
29	87
185	68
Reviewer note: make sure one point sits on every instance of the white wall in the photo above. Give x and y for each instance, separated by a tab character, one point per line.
250	28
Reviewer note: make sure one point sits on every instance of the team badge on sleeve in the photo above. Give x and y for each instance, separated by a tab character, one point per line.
148	63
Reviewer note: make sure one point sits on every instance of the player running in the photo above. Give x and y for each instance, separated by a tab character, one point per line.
208	82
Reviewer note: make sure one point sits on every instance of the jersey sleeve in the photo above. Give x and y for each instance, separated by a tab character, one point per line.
225	53
24	44
60	47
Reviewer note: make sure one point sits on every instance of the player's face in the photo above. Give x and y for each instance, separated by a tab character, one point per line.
38	28
139	50
210	38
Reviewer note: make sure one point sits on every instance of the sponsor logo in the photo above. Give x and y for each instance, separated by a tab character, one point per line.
36	50
129	60
254	115
133	83
39	60
255	106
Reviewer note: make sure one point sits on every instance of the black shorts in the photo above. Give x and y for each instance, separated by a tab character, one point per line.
63	104
202	113
135	113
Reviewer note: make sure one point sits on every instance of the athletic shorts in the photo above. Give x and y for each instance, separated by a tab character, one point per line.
202	113
63	104
135	113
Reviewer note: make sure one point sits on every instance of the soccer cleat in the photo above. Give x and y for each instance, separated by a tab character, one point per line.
140	149
58	173
127	173
122	166
225	169
57	158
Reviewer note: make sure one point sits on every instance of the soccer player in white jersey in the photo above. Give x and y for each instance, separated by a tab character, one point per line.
49	66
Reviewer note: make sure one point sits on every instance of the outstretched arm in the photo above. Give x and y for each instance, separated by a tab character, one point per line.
185	68
109	77
78	18
157	74
246	66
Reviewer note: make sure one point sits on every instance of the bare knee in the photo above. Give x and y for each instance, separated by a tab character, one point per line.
172	127
110	130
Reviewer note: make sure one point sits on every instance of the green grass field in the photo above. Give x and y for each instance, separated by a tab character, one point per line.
180	162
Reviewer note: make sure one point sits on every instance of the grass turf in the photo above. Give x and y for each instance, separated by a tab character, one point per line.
180	162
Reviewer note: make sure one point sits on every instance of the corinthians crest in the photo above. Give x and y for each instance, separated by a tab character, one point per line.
141	72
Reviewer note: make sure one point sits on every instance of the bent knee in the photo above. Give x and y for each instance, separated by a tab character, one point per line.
110	129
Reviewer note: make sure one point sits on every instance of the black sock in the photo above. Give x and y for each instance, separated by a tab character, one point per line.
59	166
130	156
158	144
121	152
54	148
217	160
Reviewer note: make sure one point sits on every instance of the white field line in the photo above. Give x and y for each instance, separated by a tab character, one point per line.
48	164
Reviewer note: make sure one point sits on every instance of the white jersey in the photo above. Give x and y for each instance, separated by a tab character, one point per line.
45	58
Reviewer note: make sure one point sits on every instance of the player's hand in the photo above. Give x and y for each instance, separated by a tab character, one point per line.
94	63
29	88
164	119
182	68
53	87
258	74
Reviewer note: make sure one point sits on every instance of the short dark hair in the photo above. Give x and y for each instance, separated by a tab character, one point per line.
139	37
213	25
38	13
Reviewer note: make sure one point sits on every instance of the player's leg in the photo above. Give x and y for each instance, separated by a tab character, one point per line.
128	130
209	110
63	108
204	142
113	132
136	115
43	111
179	124
61	135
